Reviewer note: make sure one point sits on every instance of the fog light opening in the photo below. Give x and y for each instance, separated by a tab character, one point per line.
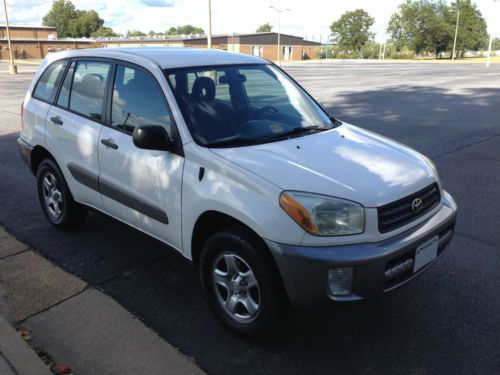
340	281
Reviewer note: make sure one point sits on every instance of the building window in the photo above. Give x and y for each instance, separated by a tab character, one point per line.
287	53
257	51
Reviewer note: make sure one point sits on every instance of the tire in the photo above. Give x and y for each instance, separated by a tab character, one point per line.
248	306
55	198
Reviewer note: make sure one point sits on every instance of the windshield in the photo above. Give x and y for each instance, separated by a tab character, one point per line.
244	104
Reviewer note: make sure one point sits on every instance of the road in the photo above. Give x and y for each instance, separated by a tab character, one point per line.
446	321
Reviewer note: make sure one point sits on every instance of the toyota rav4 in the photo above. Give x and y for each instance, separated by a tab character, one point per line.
228	160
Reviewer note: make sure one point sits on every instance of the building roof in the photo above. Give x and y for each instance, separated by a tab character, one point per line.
30	27
53	41
203	37
173	57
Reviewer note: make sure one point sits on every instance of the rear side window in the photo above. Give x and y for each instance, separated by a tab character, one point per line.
87	91
47	85
138	100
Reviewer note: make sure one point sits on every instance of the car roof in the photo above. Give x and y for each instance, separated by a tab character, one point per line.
173	57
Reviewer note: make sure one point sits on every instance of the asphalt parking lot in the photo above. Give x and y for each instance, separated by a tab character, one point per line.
446	321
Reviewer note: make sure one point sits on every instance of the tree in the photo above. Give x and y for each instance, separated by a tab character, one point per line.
422	26
352	30
429	26
104	32
472	29
264	28
71	22
496	44
60	16
185	30
134	32
85	23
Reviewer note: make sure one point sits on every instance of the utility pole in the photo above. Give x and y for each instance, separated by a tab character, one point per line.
383	51
489	47
456	33
279	30
12	66
209	36
321	48
326	53
488	55
380	51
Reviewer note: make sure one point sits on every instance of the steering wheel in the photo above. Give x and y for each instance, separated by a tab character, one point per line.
259	114
254	128
268	108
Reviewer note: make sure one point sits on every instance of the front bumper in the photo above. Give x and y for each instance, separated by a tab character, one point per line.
304	270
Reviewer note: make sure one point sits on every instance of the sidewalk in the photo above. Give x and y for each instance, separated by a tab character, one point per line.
73	325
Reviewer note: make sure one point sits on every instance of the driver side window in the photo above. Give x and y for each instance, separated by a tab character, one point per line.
137	101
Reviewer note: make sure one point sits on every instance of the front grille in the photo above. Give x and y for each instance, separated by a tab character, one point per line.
396	214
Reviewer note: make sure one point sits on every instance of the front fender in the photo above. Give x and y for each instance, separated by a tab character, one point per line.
233	191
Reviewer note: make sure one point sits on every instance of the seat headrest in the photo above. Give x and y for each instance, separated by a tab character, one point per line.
91	86
203	89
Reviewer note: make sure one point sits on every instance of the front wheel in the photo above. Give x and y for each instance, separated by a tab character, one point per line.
55	198
241	283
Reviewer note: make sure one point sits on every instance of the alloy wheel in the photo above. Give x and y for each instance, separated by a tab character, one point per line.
236	287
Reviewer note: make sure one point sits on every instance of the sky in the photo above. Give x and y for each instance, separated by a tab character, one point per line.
310	18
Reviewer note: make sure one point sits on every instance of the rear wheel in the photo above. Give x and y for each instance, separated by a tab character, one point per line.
241	282
55	198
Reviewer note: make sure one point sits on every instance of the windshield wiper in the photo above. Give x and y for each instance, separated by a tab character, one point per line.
237	140
243	140
301	129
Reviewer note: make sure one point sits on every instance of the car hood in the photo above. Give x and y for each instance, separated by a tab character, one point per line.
346	162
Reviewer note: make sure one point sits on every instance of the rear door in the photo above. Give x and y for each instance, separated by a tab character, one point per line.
74	124
140	187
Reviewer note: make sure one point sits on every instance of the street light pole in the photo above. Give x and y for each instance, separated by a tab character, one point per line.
209	36
456	33
488	56
279	30
12	66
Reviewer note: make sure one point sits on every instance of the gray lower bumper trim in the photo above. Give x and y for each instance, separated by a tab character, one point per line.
25	149
304	269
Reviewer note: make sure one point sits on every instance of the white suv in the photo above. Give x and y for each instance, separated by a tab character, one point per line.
228	160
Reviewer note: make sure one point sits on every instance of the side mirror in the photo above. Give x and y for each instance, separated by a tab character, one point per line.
152	137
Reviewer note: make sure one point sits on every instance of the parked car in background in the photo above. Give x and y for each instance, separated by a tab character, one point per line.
229	161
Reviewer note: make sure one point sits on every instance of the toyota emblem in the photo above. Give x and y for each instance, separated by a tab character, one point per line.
416	205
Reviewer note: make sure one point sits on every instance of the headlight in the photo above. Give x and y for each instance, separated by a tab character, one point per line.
322	215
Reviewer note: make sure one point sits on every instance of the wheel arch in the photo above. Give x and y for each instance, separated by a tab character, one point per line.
212	221
38	154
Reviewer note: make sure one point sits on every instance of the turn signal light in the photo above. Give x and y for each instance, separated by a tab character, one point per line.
298	213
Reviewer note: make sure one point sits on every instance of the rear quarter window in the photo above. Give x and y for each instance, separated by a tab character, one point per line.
46	87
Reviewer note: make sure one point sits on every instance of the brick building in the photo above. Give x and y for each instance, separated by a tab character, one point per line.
35	42
259	44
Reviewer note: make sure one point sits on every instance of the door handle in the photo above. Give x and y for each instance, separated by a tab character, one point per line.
109	143
56	120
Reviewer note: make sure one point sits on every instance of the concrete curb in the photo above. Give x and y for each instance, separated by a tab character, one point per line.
19	355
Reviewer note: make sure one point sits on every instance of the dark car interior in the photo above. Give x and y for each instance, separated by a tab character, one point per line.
211	117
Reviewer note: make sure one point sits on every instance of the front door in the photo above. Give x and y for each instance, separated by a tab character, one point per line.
140	187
